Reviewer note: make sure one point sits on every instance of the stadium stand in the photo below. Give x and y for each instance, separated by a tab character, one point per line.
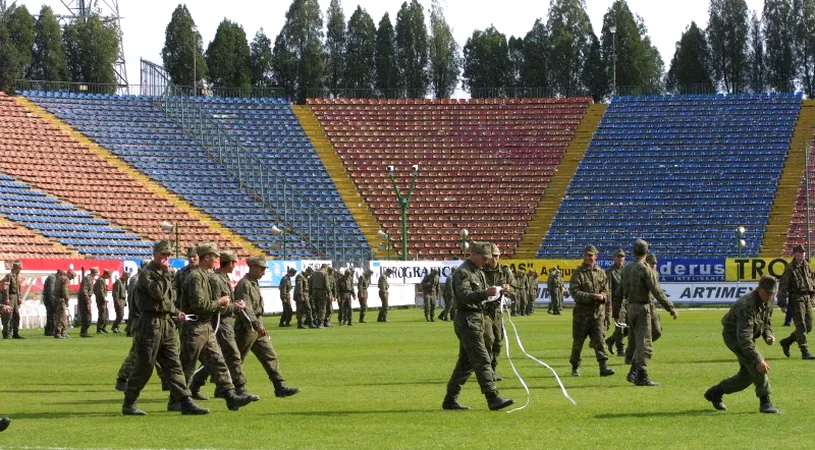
798	223
48	158
17	242
484	163
680	171
137	130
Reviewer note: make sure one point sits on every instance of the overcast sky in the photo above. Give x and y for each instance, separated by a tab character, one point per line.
144	21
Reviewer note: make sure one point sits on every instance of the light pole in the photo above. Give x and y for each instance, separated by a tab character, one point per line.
282	233
195	60
613	30
465	236
404	203
384	245
740	244
168	227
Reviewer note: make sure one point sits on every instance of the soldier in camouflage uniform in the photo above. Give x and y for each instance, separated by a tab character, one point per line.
197	336
100	291
449	311
48	296
346	292
318	290
285	289
384	295
638	283
613	275
61	297
531	291
119	300
225	334
155	336
589	289
656	325
430	294
554	284
495	274
84	301
332	296
471	291
362	293
519	305
797	291
747	320
181	275
302	300
11	297
133	311
250	334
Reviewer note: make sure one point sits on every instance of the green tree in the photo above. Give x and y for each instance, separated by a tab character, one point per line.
91	49
804	43
412	49
728	36
445	61
691	62
335	45
569	45
228	57
595	76
516	62
8	58
779	36
386	67
361	48
639	64
487	68
183	52
260	60
299	65
535	67
49	63
757	78
21	30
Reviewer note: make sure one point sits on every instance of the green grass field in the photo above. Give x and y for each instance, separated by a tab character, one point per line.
381	385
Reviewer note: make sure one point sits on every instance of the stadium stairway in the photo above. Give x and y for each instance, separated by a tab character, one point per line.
356	205
783	208
193	215
552	197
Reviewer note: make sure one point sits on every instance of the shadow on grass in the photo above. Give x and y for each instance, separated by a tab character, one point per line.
50	415
685	413
116	401
350	413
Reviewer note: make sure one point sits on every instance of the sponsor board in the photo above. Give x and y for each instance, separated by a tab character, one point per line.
544	267
683	293
752	269
41	268
408	272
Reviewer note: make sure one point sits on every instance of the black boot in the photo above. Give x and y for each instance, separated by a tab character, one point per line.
195	390
121	384
632	375
767	406
575	371
234	401
610	344
785	346
362	318
281	390
805	354
130	409
451	402
643	380
16	335
188	408
496	402
714	395
242	391
604	370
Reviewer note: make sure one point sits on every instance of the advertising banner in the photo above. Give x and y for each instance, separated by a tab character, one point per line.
50	266
751	269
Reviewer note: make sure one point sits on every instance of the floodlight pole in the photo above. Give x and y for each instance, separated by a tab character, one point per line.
404	204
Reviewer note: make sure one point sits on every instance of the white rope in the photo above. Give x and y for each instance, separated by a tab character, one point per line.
509	358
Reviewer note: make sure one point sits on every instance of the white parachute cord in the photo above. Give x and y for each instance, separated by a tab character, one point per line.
509	358
523	350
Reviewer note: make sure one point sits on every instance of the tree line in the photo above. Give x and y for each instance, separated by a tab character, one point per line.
325	54
84	50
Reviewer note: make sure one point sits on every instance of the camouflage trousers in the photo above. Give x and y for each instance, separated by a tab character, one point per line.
555	302
103	316
346	308
616	339
383	310
225	336
747	373
59	318
429	306
155	341
285	317
640	337
446	312
363	306
198	343
130	363
11	321
119	309
585	325
802	318
248	340
656	333
321	303
49	316
84	309
531	295
304	313
519	307
493	336
473	355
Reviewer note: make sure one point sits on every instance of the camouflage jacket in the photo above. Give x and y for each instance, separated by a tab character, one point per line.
86	289
469	287
285	288
301	287
585	283
362	287
198	297
155	291
61	293
48	292
120	292
796	283
318	282
383	284
613	275
222	286
249	291
346	283
100	290
748	319
497	277
430	285
638	283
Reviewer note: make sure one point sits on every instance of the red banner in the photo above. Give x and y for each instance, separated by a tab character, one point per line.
36	270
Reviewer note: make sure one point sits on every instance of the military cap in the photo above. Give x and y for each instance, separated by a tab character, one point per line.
590	249
145	262
292	270
640	247
309	270
163	247
481	248
369	272
228	256
94	270
769	283
125	274
619	252
191	252
257	261
107	272
207	249
16	265
70	274
347	271
60	272
388	271
798	248
651	259
495	250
